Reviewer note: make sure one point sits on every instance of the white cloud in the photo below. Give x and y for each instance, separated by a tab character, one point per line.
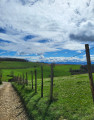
56	59
54	20
41	58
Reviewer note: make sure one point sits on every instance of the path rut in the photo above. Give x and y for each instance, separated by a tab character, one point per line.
11	107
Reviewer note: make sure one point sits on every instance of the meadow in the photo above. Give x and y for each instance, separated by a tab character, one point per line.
20	68
72	94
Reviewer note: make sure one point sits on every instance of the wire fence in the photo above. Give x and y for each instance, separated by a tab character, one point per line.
82	55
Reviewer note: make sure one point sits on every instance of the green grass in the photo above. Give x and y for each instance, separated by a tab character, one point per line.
72	94
72	99
23	67
17	65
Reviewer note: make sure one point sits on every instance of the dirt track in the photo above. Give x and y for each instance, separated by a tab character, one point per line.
11	107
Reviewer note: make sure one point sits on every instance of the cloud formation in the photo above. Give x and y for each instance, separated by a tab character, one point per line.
39	26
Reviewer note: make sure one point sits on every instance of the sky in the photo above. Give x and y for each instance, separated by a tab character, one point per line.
46	30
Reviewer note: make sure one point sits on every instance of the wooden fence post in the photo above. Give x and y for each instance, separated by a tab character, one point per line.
0	78
32	78
35	81
23	78
51	86
20	80
26	79
17	79
41	81
89	69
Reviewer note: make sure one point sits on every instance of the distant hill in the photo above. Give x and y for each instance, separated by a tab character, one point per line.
13	59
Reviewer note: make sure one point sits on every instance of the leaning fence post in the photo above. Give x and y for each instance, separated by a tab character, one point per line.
32	78
41	81
89	69
35	81
51	85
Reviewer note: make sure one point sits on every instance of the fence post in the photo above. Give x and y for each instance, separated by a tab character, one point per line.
35	81
0	78
89	69
32	78
23	78
51	86
42	81
17	80
26	79
20	80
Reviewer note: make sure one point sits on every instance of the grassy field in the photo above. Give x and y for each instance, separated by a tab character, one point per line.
72	99
18	68
17	65
72	94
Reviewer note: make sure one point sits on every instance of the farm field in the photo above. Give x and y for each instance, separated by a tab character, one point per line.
20	68
72	94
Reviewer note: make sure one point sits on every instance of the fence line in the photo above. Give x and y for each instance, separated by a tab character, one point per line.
25	81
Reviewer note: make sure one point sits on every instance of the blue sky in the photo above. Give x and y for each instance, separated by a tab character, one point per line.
46	30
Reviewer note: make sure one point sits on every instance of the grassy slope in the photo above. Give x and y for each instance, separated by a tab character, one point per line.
72	99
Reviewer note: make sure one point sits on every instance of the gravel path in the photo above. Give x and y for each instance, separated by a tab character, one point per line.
11	107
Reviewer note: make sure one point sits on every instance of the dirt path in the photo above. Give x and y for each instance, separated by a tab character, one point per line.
11	107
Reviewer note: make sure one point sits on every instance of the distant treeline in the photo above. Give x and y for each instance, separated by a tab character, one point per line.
13	59
83	69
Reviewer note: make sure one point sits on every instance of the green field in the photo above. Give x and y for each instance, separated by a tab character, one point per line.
20	68
72	94
72	99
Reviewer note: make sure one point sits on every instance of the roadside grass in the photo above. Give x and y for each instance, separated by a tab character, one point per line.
72	99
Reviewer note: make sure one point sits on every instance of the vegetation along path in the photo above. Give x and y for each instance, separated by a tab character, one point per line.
11	107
